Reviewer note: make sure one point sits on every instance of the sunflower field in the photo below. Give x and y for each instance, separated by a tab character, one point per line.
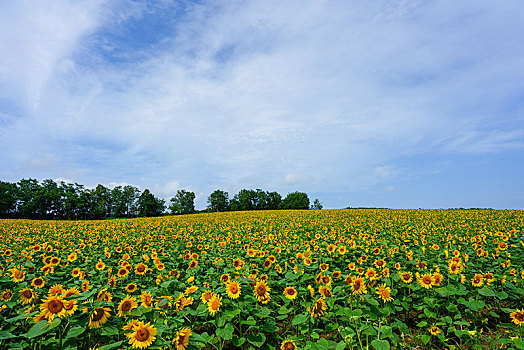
313	279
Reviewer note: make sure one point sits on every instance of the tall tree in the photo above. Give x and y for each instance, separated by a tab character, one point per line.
316	205
8	195
101	197
218	201
27	198
183	202
296	200
149	205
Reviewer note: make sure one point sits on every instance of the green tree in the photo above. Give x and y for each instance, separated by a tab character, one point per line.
296	200
8	195
149	205
218	201
183	202
27	198
101	198
316	205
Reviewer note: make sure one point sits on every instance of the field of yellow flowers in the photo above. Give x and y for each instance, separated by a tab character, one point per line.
331	279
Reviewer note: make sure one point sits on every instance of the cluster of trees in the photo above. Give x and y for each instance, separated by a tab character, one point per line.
259	200
30	199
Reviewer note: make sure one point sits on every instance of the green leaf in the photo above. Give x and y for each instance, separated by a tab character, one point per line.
112	345
370	300
341	345
425	338
380	344
109	330
6	335
322	344
263	313
75	332
225	333
256	339
386	331
70	344
42	327
250	321
487	292
237	342
314	335
518	343
299	319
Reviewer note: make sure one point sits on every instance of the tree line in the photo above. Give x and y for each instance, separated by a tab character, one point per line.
31	199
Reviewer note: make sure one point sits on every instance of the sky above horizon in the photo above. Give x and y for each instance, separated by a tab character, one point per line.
400	104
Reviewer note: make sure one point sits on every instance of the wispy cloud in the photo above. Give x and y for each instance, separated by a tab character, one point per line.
317	96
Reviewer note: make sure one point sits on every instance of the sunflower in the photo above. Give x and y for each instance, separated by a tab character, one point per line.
100	265
72	257
324	267
233	289
146	299
406	277
126	305
358	286
98	317
6	295
478	280
53	306
70	292
206	296
426	281
123	272
371	274
38	282
85	286
142	335
47	269
70	306
327	280
434	330
111	281
190	290
288	344
193	264
104	295
290	293
131	287
214	304
455	267
140	269
181	339
437	278
318	308
380	263
26	296
17	275
336	274
384	293
261	292
517	317
225	278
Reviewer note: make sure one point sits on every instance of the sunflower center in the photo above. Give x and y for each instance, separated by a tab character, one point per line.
261	290
27	294
55	306
126	306
142	334
97	314
289	346
520	316
234	289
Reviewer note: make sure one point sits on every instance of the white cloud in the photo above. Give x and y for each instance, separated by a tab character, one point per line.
262	94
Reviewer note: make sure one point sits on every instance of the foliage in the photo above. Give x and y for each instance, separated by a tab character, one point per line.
183	203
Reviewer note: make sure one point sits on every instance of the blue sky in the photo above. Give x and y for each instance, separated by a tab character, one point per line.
401	104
